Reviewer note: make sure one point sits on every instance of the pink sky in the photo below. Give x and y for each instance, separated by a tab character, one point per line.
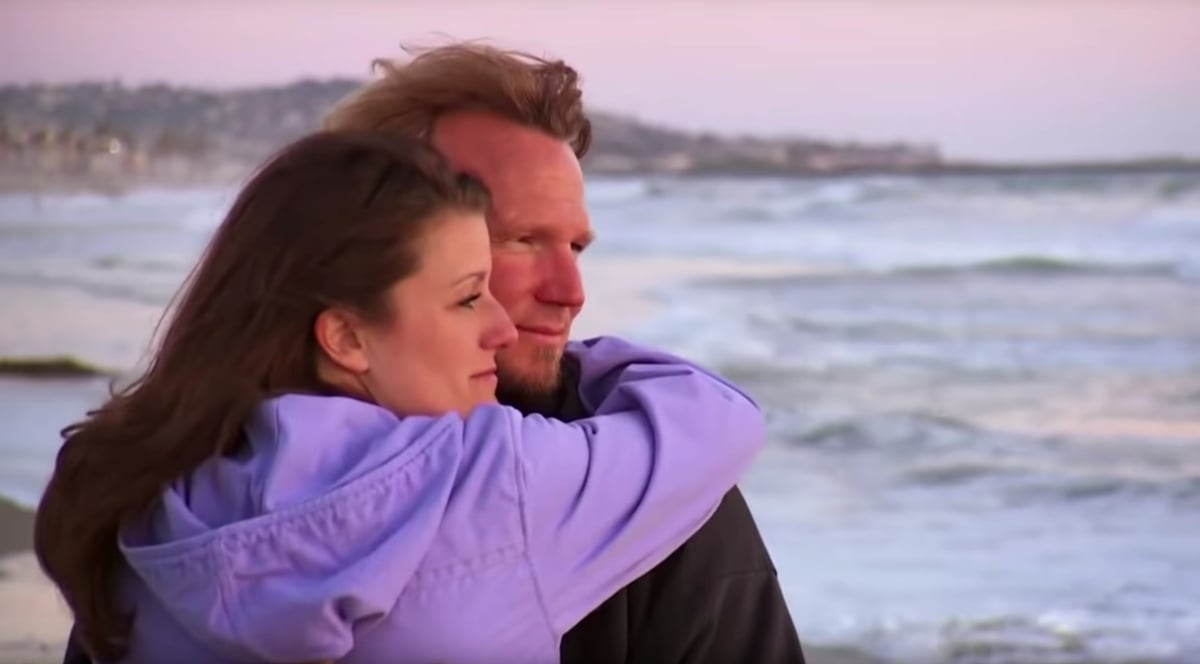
1031	79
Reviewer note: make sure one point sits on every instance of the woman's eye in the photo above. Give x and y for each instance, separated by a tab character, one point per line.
469	302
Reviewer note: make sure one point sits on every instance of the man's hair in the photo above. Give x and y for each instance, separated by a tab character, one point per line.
409	97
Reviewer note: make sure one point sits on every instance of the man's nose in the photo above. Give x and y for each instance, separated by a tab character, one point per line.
562	285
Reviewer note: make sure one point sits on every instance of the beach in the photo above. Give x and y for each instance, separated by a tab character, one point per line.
34	620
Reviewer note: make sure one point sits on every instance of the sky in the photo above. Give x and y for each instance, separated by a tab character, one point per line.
1028	80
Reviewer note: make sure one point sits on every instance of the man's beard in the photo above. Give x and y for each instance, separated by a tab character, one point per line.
541	394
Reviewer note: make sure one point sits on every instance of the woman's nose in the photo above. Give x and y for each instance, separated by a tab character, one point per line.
499	330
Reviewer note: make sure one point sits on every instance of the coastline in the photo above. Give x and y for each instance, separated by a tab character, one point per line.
230	173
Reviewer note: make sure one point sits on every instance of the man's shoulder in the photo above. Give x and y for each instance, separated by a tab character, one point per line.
722	570
729	543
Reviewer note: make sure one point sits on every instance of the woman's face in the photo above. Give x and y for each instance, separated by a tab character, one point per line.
437	353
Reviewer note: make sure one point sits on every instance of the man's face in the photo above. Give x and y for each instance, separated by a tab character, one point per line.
538	226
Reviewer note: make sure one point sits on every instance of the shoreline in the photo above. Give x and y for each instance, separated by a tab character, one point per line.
236	174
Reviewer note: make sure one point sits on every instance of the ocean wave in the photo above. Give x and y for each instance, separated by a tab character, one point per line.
958	472
995	268
1178	188
1049	486
1044	265
1141	186
178	267
162	206
609	191
748	213
1068	636
910	433
790	199
782	193
932	452
157	294
1030	482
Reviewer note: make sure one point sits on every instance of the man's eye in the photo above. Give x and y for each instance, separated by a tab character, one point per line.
469	302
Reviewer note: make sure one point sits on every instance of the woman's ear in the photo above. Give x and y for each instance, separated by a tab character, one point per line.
339	336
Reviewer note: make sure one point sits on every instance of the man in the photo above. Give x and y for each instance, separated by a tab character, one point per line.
517	123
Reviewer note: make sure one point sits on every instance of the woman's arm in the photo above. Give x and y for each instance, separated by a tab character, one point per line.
608	497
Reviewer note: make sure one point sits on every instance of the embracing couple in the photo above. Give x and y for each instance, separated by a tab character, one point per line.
365	436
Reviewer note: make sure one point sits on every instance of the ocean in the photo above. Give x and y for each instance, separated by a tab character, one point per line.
984	392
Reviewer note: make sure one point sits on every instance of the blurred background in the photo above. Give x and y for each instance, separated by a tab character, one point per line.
953	248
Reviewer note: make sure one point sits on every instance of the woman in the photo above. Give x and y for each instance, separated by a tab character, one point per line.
314	466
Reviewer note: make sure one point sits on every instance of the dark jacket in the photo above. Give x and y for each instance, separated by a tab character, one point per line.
715	600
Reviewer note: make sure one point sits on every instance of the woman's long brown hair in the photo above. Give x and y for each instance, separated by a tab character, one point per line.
330	221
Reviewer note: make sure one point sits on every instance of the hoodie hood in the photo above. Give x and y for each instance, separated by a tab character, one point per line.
276	524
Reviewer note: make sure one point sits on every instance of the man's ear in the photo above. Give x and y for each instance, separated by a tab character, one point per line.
338	335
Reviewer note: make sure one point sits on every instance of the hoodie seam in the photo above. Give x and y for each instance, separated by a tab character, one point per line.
253	530
224	588
342	496
538	590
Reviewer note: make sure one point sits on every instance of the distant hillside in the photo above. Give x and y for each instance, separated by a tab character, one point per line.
108	135
93	130
236	122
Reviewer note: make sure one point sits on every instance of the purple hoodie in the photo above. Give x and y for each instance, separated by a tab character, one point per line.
345	532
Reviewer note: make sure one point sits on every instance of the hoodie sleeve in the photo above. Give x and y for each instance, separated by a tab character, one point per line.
608	497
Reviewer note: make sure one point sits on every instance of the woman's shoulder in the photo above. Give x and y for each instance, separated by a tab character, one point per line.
302	446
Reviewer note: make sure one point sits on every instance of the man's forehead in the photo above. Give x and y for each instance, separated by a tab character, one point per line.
498	151
535	179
